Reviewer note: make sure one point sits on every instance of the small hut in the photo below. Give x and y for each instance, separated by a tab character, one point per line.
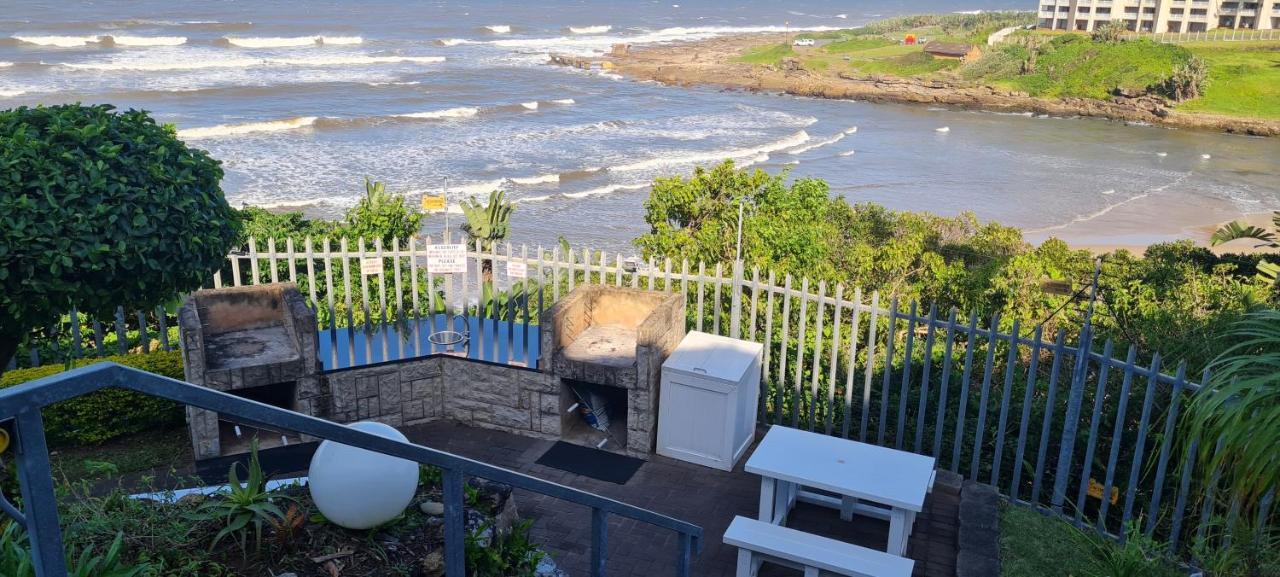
953	51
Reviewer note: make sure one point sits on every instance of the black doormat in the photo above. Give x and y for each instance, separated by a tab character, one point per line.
589	462
277	463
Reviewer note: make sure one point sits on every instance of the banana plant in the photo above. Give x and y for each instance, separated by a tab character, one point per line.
487	223
1268	271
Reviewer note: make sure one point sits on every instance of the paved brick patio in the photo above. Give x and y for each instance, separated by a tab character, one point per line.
703	496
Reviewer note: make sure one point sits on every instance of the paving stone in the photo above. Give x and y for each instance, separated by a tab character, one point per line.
706	497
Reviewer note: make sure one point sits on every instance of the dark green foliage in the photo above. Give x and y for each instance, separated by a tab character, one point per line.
245	506
1237	420
15	559
508	555
101	209
381	215
110	413
1175	300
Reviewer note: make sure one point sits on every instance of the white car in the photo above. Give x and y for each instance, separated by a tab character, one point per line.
803	42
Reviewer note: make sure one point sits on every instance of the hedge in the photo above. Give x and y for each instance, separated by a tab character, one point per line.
107	414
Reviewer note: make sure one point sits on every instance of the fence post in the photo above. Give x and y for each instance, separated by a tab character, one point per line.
735	300
1071	421
39	502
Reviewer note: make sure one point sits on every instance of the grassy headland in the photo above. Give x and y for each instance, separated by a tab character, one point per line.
1237	87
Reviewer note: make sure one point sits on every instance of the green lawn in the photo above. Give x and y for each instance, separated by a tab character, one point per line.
1244	78
771	54
1036	545
1073	66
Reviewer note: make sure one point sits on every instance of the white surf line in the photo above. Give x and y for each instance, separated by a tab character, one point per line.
247	128
1106	209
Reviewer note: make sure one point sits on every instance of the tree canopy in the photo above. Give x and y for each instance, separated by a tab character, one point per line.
101	209
797	227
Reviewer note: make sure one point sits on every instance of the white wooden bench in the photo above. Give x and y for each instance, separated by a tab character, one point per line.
758	541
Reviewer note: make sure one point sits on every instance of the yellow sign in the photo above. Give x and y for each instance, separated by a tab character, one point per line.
1095	491
4	440
432	203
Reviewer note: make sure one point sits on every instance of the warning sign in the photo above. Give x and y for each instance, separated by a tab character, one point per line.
516	269
370	265
432	203
447	258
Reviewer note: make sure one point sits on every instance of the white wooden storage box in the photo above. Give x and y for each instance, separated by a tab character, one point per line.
707	409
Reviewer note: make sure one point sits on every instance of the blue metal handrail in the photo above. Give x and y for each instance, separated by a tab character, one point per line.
22	403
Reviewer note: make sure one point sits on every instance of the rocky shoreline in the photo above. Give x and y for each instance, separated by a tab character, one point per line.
712	63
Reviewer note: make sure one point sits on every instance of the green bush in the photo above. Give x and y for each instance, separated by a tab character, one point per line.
101	209
107	414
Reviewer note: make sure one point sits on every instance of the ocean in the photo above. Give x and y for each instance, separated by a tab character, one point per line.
302	100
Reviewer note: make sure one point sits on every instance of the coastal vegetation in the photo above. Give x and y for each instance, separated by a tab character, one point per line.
101	209
1226	78
1176	298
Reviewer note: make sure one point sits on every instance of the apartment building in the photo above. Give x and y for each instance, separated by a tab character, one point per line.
1176	16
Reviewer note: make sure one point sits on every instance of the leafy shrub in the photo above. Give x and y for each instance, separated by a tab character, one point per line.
101	209
246	505
509	555
1111	32
15	559
382	215
109	413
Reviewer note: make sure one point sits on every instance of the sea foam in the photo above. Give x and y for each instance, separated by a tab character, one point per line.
341	40
148	40
540	179
247	128
58	41
817	144
448	113
792	141
277	42
589	29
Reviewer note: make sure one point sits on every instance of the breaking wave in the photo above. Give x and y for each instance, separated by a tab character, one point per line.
146	40
752	154
11	93
564	101
540	179
817	144
273	42
58	41
198	64
247	128
533	105
498	29
448	113
589	29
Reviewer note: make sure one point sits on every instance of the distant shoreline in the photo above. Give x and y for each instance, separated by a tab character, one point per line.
712	62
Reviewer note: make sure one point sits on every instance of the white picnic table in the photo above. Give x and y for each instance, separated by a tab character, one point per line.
851	476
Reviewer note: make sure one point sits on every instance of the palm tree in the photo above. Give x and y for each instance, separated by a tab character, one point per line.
487	224
1235	421
1266	239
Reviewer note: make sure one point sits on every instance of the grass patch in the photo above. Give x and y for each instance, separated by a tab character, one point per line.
1073	66
771	54
857	44
1244	79
915	63
129	454
1036	545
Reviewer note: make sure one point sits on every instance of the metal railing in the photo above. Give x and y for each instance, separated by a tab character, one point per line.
1024	409
23	403
1219	35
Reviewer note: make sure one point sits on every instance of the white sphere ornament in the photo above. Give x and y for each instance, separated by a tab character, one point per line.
359	489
